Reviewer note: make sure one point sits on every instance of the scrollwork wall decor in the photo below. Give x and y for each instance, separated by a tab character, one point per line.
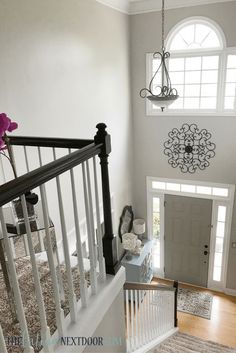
189	148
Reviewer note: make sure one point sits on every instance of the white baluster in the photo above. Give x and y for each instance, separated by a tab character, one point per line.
162	313
153	314
136	319
45	331
127	320
93	276
165	297
82	280
90	200
148	316
101	260
159	313
58	271
16	289
72	297
24	236
156	312
132	319
144	316
150	310
12	247
59	311
3	348
166	309
26	160
140	317
40	239
169	308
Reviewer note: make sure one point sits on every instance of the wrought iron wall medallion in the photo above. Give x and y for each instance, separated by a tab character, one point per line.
189	148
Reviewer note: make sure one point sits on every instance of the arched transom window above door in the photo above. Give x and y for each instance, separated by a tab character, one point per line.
201	68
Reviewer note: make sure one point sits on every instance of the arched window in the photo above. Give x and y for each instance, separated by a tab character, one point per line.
195	34
201	68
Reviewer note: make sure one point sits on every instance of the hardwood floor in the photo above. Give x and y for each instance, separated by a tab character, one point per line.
222	326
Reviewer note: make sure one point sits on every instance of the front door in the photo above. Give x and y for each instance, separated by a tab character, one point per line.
187	239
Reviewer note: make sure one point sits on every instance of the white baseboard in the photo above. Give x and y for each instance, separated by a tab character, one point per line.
230	291
157	341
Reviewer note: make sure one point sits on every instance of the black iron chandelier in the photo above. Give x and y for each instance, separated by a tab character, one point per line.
166	95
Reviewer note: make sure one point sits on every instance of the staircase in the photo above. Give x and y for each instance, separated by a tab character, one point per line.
63	174
183	343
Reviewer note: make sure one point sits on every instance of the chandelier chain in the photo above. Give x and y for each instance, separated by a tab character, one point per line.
163	24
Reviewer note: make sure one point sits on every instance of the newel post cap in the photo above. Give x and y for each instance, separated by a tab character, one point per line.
102	137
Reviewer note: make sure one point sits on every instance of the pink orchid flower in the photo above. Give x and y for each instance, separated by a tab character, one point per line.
5	125
13	126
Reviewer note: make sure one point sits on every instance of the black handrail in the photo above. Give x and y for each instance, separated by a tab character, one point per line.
48	142
19	186
101	146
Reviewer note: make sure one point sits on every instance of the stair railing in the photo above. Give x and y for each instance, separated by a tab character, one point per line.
151	314
101	246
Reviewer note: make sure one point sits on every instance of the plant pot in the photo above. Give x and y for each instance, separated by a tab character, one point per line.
18	210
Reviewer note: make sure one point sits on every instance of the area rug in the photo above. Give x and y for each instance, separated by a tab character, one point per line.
196	303
26	283
183	343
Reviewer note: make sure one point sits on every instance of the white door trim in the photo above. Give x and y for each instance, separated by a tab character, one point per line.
227	200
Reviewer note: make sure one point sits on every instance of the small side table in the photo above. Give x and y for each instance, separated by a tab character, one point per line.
139	268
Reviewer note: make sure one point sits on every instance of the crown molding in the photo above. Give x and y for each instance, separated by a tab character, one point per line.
143	6
134	7
119	5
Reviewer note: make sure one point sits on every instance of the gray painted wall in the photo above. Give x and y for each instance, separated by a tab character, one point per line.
151	132
112	329
64	67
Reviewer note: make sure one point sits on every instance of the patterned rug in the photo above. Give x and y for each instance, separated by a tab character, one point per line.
26	282
183	343
195	302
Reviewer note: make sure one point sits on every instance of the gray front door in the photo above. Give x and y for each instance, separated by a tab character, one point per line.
187	239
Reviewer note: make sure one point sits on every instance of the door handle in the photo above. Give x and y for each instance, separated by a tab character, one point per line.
205	252
206	246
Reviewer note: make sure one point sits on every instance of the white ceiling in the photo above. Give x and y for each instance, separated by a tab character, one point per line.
140	6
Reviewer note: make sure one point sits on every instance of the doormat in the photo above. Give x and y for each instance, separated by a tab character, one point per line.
195	302
183	343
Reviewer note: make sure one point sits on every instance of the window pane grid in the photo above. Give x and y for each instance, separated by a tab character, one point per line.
198	189
230	84
198	86
219	246
156	251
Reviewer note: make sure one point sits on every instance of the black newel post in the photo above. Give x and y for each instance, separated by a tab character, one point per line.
176	286
109	240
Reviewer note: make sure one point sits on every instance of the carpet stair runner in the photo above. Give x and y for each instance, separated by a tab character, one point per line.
183	343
